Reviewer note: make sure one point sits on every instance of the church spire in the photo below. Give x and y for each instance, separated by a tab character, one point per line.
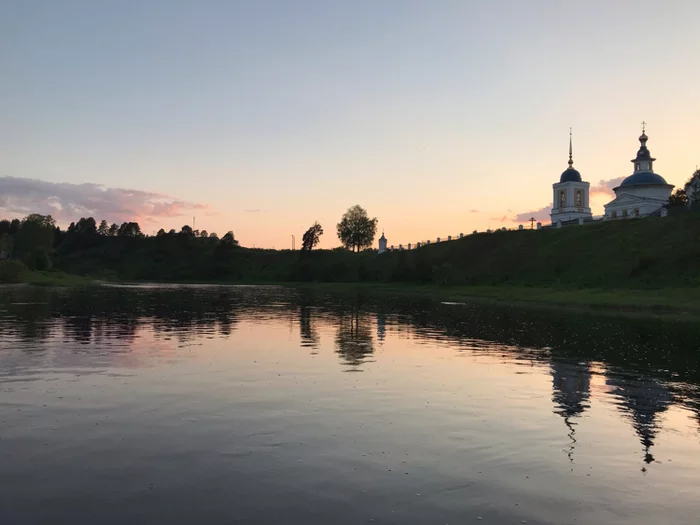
571	152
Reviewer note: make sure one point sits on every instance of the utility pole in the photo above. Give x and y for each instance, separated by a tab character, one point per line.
293	246
532	223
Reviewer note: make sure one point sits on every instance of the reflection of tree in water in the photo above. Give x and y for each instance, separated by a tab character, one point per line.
571	384
354	339
381	327
642	399
308	334
78	328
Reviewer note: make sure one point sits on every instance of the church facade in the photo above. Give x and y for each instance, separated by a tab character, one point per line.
643	193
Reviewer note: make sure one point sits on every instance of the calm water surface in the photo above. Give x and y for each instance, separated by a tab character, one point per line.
207	404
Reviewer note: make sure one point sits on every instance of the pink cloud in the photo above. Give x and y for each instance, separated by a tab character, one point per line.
539	215
68	202
605	187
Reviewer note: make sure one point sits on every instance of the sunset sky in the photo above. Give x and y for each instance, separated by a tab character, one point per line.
261	117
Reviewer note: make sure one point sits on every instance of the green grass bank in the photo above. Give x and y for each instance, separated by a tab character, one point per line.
634	254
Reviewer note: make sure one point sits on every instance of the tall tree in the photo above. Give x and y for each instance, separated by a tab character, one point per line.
35	238
678	199
129	229
161	233
204	234
7	243
186	232
356	230
45	221
14	226
103	229
311	237
86	226
229	239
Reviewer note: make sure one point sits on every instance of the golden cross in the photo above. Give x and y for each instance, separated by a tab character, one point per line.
644	126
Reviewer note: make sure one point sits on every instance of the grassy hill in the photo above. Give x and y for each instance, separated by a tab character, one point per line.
648	253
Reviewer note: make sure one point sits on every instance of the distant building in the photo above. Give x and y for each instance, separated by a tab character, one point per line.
643	193
382	243
570	202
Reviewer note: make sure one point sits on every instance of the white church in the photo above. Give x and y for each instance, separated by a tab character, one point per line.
642	194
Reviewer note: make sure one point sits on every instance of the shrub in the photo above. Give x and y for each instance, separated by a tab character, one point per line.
12	271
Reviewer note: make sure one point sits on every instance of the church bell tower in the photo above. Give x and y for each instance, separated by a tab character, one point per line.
570	201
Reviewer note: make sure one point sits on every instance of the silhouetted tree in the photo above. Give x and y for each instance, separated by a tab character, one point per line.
161	233
14	226
172	232
678	198
34	240
204	234
356	230
4	227
311	237
86	226
186	232
129	229
113	230
7	243
103	229
229	239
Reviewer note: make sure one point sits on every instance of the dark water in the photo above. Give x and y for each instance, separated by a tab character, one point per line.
184	405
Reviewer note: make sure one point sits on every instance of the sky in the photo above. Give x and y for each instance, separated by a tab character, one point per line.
261	117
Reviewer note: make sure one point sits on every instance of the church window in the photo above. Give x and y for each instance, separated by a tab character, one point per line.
614	215
562	199
579	199
636	167
636	212
624	213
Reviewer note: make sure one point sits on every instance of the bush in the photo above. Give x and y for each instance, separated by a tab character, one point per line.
38	260
12	271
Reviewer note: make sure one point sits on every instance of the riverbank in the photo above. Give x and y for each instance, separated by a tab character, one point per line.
52	278
674	303
668	303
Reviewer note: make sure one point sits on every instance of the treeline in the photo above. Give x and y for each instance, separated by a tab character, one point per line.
37	243
644	253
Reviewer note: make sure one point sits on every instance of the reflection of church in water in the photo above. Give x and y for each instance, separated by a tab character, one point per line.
571	385
641	400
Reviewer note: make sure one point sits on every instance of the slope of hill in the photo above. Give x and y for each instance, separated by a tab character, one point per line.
648	253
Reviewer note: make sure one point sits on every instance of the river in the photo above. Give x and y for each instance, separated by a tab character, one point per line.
214	404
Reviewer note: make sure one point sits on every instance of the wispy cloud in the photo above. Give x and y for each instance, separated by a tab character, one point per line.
605	187
473	211
252	211
500	219
68	202
539	215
